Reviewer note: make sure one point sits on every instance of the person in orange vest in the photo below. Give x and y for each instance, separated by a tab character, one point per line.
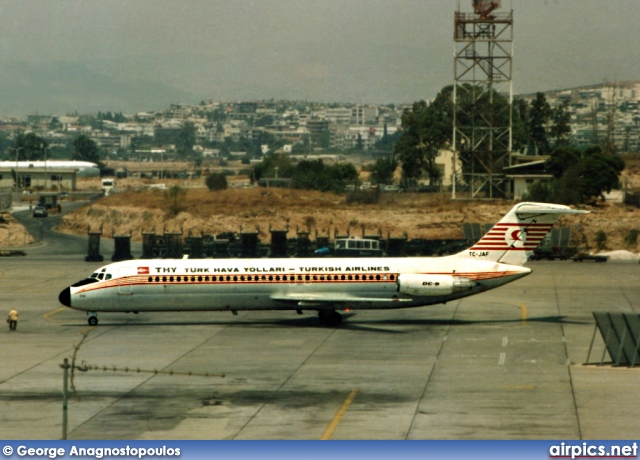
12	319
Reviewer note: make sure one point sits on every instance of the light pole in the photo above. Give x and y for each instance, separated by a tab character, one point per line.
17	175
45	168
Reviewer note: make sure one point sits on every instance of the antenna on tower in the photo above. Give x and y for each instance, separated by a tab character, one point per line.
485	7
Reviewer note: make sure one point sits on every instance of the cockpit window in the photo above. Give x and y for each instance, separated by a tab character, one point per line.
100	275
85	282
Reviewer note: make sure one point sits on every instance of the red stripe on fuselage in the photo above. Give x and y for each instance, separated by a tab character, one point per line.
143	280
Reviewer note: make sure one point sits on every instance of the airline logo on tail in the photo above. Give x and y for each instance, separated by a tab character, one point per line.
512	236
518	233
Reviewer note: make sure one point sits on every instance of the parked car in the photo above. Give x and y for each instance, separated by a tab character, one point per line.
40	211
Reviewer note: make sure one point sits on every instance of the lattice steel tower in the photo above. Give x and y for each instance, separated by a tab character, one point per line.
482	99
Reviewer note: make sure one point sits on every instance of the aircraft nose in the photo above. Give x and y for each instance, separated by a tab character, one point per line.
65	297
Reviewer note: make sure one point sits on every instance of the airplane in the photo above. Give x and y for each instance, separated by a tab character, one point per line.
325	285
83	168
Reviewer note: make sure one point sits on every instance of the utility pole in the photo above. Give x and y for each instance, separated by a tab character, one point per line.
65	396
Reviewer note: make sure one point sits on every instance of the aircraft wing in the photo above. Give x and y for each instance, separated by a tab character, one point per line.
320	299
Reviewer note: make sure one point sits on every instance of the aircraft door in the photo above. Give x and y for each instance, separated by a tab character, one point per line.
125	280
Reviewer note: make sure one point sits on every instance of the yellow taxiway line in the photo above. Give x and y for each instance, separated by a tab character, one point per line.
87	330
54	312
523	311
336	419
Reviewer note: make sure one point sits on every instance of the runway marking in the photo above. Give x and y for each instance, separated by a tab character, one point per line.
503	358
54	312
505	341
336	419
523	311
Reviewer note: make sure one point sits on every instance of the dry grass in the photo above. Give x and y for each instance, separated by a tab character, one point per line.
13	234
418	215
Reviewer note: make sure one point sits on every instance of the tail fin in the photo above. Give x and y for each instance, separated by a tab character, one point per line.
519	232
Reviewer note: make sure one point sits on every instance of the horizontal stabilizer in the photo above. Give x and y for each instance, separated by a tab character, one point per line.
546	208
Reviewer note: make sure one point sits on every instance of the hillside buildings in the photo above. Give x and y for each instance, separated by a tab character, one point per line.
609	112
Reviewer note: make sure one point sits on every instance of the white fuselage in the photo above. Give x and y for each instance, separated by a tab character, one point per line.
83	168
269	284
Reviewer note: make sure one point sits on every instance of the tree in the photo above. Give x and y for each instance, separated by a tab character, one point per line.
342	174
428	128
600	173
315	175
186	139
85	149
520	135
216	181
561	159
483	117
539	115
265	120
383	170
425	130
174	199
55	123
560	127
30	147
271	163
583	176
324	139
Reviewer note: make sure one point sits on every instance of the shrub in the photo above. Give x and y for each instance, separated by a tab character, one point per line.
216	181
174	199
371	196
631	239
540	192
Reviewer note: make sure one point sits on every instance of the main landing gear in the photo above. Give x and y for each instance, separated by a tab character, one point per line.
93	318
329	318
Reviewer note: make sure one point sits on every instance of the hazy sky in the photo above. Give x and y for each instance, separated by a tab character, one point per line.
132	55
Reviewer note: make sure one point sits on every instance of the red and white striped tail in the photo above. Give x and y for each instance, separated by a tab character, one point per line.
519	232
